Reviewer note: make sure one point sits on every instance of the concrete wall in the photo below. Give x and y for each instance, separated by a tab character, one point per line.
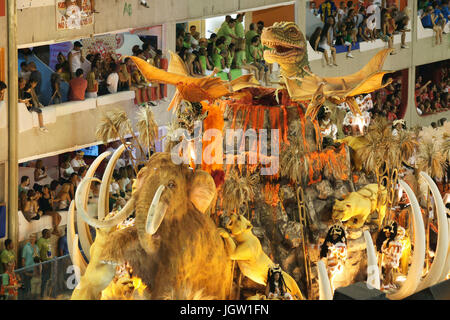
112	17
75	130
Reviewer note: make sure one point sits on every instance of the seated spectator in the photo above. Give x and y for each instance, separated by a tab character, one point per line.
241	60
55	186
10	283
73	182
24	184
40	172
30	207
63	199
46	205
24	72
8	255
78	161
256	58
364	33
348	43
29	97
65	168
35	76
78	86
112	81
3	88
429	21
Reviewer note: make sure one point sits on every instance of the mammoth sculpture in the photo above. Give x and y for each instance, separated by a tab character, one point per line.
357	206
173	245
244	247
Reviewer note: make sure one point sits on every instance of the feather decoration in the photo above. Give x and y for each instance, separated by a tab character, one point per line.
114	124
239	190
147	127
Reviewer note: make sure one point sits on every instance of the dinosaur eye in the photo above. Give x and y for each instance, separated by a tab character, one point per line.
171	184
292	30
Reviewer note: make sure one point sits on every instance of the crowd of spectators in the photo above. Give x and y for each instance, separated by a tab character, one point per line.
32	281
434	15
387	101
354	22
433	96
103	75
232	47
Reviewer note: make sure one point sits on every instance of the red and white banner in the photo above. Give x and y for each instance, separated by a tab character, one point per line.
73	14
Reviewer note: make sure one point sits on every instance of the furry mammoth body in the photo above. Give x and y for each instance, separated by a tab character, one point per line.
357	206
174	247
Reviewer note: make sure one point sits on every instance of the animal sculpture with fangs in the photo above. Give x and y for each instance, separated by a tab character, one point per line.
288	48
174	245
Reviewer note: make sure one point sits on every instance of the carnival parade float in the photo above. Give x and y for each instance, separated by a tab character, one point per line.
257	198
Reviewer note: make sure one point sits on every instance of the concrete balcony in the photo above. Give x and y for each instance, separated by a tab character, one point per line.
72	125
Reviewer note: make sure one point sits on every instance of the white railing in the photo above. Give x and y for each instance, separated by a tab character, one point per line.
29	120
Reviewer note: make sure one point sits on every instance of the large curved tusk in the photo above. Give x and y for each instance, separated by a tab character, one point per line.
418	258
103	197
437	267
156	212
373	273
324	282
446	269
122	215
72	241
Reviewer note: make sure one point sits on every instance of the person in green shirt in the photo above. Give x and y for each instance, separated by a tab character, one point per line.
43	244
239	27
227	31
231	55
204	62
227	19
224	62
249	35
45	254
257	59
8	255
241	60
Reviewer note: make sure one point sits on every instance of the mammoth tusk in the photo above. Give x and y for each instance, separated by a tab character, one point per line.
446	269
122	215
418	258
156	212
82	227
324	282
103	196
72	241
439	260
373	273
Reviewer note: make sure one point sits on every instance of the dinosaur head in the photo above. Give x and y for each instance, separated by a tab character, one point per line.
287	47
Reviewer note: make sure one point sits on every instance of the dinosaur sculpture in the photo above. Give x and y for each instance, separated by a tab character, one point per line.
244	247
357	206
172	246
288	48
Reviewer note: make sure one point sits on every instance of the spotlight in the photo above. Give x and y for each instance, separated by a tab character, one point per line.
144	3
